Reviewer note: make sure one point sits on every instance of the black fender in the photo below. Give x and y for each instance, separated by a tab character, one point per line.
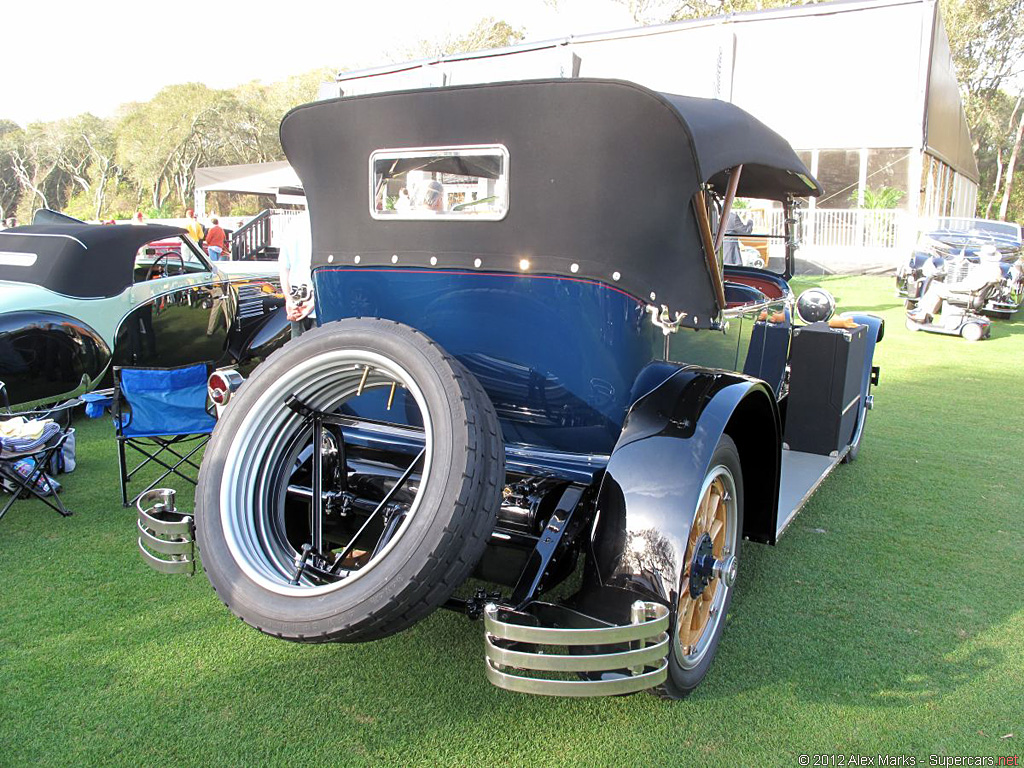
48	356
269	334
649	492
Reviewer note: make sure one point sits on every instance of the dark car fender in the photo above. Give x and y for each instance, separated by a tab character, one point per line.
47	356
267	335
650	489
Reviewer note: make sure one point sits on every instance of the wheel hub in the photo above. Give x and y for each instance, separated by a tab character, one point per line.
705	567
702	566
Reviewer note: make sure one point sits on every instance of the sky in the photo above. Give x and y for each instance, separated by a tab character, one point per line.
92	57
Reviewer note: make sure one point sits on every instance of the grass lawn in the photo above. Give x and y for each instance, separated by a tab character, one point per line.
889	619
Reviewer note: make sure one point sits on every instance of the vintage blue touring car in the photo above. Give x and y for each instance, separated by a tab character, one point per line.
532	376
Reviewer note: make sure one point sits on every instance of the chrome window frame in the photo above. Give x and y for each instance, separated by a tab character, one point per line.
401	152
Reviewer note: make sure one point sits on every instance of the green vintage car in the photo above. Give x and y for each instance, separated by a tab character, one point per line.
77	299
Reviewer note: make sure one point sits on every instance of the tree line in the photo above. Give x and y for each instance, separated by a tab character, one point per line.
145	156
986	38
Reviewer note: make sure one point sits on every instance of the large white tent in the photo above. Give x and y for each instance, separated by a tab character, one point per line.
865	90
274	179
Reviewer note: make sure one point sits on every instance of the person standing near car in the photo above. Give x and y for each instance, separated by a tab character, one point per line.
731	253
194	228
296	277
215	240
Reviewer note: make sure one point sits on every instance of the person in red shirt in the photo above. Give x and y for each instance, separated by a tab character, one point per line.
215	240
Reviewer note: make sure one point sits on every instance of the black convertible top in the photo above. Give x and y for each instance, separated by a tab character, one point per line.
602	174
81	260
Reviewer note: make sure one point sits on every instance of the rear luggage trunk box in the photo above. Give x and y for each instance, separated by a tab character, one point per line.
824	387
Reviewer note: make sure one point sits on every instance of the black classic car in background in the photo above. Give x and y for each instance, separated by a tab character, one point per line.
76	299
949	250
530	363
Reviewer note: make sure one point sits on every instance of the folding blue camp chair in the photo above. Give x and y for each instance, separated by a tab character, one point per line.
161	413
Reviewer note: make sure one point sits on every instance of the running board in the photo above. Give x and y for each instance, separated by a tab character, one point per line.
802	473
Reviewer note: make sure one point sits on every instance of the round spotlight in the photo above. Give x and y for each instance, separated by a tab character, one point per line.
815	305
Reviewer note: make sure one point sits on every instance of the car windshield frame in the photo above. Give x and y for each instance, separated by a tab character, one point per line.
193	255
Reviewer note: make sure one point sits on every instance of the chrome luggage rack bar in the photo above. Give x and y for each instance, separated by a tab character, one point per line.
166	536
636	660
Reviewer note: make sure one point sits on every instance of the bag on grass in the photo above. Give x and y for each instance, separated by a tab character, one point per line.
44	484
64	459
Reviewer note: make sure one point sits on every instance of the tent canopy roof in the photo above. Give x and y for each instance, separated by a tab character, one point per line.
252	179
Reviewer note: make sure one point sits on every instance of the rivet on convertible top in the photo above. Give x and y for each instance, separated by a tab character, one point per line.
574	268
616	276
357	259
433	261
477	263
394	258
524	264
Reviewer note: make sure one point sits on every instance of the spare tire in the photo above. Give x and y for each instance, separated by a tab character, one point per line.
254	504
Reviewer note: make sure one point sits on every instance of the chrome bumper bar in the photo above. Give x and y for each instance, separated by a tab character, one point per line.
166	537
620	658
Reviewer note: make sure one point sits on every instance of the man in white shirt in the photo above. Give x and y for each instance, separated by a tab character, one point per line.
296	278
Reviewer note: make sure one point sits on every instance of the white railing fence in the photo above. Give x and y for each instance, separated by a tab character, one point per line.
847	227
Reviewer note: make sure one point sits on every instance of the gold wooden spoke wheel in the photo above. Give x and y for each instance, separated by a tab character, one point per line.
710	567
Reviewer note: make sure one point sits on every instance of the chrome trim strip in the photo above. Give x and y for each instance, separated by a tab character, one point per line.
167	566
643	664
174	538
40	234
743	309
164	546
650	655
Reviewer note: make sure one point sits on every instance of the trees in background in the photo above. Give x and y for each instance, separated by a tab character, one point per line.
987	42
147	155
10	186
486	33
144	158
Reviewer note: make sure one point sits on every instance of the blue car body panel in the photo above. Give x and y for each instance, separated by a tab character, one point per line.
558	357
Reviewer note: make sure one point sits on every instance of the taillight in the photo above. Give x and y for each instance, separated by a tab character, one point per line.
222	384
